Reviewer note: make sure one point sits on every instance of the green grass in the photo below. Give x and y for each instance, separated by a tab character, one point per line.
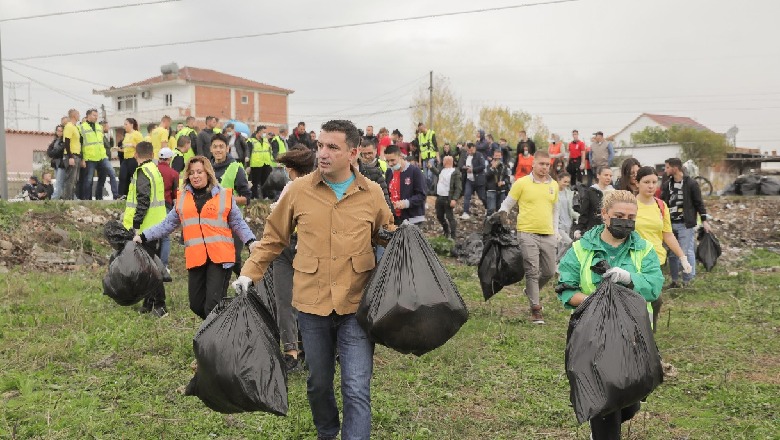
76	366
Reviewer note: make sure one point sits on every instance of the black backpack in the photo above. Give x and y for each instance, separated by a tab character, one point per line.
56	149
579	194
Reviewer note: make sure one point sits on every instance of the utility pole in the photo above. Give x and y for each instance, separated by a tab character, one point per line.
3	164
13	108
103	112
430	109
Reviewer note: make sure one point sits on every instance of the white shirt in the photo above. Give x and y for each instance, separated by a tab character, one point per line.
470	174
443	187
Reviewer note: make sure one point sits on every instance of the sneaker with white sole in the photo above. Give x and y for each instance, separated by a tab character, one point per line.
465	216
536	315
159	312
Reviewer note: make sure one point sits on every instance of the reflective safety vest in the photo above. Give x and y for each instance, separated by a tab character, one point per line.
261	153
207	234
184	132
228	180
382	165
156	212
585	257
426	144
216	130
92	148
282	147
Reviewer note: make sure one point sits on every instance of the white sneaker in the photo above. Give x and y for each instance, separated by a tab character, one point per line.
465	216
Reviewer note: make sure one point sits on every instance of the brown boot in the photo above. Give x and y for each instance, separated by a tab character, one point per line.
536	314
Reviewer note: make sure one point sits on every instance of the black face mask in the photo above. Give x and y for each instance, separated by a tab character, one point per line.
621	228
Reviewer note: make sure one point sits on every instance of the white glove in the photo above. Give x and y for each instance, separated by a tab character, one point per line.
686	266
138	240
618	275
241	285
255	244
577	234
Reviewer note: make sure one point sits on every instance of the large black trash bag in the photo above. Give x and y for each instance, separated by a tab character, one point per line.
469	250
748	184
708	249
410	304
769	186
275	181
240	364
612	360
132	275
502	261
116	234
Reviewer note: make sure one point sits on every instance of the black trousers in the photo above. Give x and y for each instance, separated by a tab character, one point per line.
608	427
258	176
157	297
239	245
573	168
446	216
207	285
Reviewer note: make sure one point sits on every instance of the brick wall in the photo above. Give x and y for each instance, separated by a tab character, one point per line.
245	112
212	101
273	109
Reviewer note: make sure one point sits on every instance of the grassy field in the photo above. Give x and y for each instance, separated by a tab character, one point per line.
74	365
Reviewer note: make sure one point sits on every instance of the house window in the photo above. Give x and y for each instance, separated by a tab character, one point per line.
127	103
244	100
168	99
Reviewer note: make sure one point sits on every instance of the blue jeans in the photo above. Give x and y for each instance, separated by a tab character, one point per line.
59	176
685	237
321	336
106	170
494	200
469	189
165	242
427	165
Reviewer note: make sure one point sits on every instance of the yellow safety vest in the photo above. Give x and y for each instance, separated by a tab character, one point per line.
585	258
261	153
184	132
426	145
92	148
282	148
156	212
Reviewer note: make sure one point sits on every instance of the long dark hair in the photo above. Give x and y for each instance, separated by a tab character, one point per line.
133	122
624	182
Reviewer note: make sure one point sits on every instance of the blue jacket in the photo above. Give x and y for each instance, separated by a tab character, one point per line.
413	190
172	221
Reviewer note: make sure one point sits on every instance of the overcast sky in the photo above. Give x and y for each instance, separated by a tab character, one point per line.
587	64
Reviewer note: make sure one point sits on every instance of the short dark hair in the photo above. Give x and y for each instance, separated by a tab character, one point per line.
190	118
346	127
220	137
230	125
90	111
575	131
674	162
301	124
259	127
144	150
563	174
470	144
392	149
366	142
183	140
644	172
151	127
209	118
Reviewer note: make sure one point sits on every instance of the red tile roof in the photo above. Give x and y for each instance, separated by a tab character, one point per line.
194	74
33	132
671	121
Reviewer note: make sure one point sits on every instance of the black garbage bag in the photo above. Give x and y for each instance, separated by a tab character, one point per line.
132	275
502	261
769	186
612	360
240	364
410	303
708	250
116	234
748	184
275	181
731	190
469	250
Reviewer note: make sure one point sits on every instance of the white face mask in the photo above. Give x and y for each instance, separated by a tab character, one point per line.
263	135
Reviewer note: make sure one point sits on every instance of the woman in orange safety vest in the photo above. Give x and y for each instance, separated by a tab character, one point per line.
208	215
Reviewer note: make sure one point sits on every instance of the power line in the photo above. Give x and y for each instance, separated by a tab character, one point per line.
61	74
54	89
105	8
295	31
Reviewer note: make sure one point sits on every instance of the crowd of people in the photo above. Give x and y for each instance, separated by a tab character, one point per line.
322	238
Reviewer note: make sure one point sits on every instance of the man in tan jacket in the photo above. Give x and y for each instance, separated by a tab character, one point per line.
338	214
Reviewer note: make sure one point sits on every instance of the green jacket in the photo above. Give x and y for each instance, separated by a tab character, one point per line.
647	282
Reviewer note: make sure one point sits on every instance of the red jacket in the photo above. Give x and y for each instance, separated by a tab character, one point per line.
171	181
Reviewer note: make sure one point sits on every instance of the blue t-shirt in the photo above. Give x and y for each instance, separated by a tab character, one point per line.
340	188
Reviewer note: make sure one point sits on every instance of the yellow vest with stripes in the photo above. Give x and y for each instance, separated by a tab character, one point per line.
156	212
